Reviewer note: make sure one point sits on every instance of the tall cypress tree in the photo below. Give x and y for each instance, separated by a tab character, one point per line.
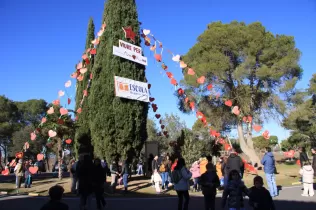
118	125
83	137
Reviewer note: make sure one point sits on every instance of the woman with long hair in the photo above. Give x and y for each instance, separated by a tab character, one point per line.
180	178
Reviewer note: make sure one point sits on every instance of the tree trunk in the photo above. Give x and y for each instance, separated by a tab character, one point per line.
247	146
60	175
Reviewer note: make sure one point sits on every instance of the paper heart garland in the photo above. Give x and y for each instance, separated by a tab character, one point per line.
257	128
79	110
201	80
169	74
180	91
183	65
33	169
173	81
52	133
83	70
93	51
61	93
40	157
80	78
63	111
56	102
44	119
69	101
158	57
50	110
176	58
68	84
235	110
191	72
68	141
79	65
151	99
146	32
85	93
157	116
228	103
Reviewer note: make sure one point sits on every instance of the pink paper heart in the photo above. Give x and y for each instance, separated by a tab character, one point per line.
68	84
83	70
33	136
201	80
100	32
84	56
79	65
63	111
61	93
73	75
50	110
33	169
40	157
235	110
44	120
52	133
56	102
191	71
183	65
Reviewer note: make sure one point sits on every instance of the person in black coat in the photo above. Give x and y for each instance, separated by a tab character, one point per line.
234	162
98	183
314	160
303	156
259	197
55	194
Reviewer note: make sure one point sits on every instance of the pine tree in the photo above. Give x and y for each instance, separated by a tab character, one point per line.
83	145
118	125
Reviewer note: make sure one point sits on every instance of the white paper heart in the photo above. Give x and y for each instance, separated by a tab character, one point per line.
68	84
146	32
176	58
61	93
83	70
52	133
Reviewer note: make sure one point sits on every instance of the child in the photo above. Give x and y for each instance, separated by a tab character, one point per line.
55	194
259	197
209	182
27	175
219	171
156	178
308	179
233	192
195	170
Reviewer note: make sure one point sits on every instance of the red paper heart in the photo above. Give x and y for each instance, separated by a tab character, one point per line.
173	81
40	157
191	72
180	91
134	57
149	86
68	141
228	103
60	121
169	74
5	172
158	57
93	51
257	128
210	86
201	80
33	169
63	111
69	101
151	99
157	116
162	127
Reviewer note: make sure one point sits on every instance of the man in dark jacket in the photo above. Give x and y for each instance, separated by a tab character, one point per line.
234	162
259	197
154	164
314	160
269	169
303	156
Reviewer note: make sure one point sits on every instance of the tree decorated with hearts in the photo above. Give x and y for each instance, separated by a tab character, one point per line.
238	76
82	123
118	125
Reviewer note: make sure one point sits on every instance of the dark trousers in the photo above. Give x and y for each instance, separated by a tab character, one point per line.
99	198
183	195
28	182
209	201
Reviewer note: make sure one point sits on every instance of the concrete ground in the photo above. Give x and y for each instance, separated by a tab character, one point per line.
290	199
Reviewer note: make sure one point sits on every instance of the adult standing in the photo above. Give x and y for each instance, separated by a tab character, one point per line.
114	169
269	168
72	171
85	176
18	171
181	177
125	173
234	162
303	156
164	170
314	160
98	183
155	164
149	164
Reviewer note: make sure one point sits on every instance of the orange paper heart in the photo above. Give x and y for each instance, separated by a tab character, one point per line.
191	72
173	81
201	80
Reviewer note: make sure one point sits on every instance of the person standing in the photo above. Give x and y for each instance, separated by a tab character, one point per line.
234	162
181	177
72	171
269	168
209	182
314	160
149	165
125	173
18	171
140	167
98	183
164	172
27	175
195	170
307	173
155	164
303	156
114	169
259	197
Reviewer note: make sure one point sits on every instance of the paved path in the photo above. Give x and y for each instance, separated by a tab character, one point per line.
289	199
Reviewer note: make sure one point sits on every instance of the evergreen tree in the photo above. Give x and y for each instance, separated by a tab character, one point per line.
84	145
118	125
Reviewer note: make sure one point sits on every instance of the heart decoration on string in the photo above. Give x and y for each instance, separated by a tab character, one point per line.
236	110
5	172
146	32
210	86
162	127
192	105
157	116
85	93
180	91
186	100
73	75
83	70
26	146
169	74
100	32
19	155
50	110
84	56
93	51
164	67
228	103
173	81
79	110
56	102
44	119
60	121
80	78
63	111
257	128
40	157
61	93
69	101
52	133
158	57
151	99
129	33
191	72
68	84
201	80
176	58
266	135
149	86
33	169
249	118
183	65
153	48
79	65
68	141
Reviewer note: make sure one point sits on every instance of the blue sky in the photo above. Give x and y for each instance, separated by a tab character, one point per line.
42	40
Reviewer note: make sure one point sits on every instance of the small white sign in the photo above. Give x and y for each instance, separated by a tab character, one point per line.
131	89
130	52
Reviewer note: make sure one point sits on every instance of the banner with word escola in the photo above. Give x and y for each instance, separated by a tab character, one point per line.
131	89
130	52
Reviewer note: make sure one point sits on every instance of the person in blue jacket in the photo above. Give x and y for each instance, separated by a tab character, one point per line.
269	169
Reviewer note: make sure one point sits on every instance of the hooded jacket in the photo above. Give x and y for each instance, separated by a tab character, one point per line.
233	193
308	174
268	163
195	170
234	162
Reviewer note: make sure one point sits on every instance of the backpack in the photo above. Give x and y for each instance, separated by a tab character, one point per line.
176	176
162	168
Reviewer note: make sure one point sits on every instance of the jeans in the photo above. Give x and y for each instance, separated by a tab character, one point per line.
209	201
28	182
164	177
183	195
18	180
140	170
125	180
272	185
74	184
225	180
196	182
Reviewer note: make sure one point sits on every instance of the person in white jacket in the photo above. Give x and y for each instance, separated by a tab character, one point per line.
156	178
308	179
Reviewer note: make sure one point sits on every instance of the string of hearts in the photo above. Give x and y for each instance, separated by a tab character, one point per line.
81	69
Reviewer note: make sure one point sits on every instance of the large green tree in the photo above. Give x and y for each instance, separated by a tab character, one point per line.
82	124
247	64
260	142
118	125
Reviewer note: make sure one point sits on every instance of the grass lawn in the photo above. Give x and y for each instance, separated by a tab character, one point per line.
140	187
